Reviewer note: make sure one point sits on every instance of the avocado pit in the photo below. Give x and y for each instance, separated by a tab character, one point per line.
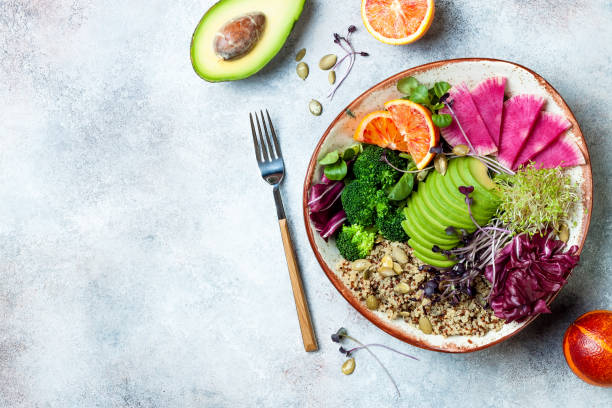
239	35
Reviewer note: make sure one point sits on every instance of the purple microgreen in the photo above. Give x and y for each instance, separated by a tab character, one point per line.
450	230
444	97
435	149
339	335
347	47
383	158
342	333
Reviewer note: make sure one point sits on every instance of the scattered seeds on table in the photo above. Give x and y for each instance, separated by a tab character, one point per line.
349	366
315	107
461	150
302	70
441	164
300	55
331	77
328	61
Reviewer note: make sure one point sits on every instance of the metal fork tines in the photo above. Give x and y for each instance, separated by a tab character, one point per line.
270	162
269	157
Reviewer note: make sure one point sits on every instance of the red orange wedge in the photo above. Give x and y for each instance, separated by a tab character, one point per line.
397	21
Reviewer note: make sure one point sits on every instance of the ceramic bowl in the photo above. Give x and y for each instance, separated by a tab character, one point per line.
339	134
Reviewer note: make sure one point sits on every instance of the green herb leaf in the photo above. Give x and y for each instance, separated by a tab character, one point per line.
407	85
442	120
403	188
336	171
329	158
351	152
440	88
420	94
436	107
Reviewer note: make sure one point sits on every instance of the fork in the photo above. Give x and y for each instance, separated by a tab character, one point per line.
272	167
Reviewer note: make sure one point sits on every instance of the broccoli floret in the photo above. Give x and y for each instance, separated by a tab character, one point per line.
355	242
358	202
369	168
390	225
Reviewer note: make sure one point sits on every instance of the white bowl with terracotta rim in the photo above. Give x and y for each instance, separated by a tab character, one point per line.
339	134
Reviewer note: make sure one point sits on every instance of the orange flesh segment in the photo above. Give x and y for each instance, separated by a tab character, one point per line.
396	18
379	130
416	129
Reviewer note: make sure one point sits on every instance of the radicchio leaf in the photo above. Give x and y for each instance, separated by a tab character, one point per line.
528	270
326	211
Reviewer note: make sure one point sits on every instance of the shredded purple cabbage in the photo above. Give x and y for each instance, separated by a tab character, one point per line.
528	270
326	211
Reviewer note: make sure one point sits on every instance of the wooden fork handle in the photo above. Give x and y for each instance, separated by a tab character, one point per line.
308	336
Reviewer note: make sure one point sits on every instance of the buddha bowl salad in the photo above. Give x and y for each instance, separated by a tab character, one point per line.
456	234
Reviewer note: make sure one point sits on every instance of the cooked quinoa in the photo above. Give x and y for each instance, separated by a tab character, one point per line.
399	296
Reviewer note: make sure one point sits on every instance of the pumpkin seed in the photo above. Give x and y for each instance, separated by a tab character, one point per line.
331	77
302	70
372	302
441	163
400	255
328	61
402	288
461	150
315	107
425	325
360	265
564	233
349	366
300	55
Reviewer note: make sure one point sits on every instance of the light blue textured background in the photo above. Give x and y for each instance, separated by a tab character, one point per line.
140	259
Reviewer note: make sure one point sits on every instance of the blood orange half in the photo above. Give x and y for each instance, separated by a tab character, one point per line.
379	129
397	21
414	123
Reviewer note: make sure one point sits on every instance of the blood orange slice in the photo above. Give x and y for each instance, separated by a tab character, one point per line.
397	21
378	128
414	123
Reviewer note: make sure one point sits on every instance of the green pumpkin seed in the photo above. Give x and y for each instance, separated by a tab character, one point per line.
564	233
372	302
315	107
441	164
461	150
328	61
349	366
425	325
402	288
331	77
421	175
302	70
300	55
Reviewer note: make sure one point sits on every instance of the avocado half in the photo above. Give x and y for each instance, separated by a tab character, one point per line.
280	15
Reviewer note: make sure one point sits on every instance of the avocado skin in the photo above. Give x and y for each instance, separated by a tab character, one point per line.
248	69
438	204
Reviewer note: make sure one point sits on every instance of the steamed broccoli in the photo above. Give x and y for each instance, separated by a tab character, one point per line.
358	202
362	202
355	242
369	168
390	225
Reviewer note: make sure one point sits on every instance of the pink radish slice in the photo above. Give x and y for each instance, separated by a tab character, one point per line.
563	152
520	113
470	120
546	130
488	97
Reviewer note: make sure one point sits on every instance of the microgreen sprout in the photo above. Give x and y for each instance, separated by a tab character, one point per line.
345	43
342	334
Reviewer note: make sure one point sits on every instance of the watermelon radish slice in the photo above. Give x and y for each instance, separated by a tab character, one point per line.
467	114
563	152
546	130
520	113
489	99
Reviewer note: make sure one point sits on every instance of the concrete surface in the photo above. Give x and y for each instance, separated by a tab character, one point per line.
140	259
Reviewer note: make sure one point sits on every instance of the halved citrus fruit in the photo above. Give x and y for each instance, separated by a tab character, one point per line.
397	21
418	131
379	129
